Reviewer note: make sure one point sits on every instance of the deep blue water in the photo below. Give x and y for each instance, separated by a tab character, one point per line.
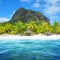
29	49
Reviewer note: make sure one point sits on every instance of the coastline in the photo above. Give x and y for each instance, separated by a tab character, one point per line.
39	36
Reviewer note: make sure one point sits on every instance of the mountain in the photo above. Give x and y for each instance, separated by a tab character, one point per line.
25	16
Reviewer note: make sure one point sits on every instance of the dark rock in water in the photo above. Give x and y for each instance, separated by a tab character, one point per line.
25	16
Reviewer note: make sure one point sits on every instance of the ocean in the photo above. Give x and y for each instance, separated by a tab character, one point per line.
29	49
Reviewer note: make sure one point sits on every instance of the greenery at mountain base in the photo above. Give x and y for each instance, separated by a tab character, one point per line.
20	27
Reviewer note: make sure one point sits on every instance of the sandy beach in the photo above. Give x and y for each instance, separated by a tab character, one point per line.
39	36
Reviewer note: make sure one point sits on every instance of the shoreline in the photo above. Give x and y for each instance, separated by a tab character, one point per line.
39	36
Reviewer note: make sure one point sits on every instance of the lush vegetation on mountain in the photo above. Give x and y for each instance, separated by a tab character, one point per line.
20	27
26	15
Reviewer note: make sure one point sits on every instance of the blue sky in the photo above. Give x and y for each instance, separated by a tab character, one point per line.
49	8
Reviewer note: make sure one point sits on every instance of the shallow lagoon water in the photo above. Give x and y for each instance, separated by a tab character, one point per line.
29	49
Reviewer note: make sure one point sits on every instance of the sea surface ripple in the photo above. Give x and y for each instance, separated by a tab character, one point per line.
29	49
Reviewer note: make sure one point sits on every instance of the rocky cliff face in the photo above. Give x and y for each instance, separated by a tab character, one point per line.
25	16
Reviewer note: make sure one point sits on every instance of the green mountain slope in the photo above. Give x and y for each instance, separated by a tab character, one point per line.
25	16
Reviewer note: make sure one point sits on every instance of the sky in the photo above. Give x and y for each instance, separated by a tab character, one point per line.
49	8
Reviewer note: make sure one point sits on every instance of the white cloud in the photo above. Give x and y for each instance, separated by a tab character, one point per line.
2	19
12	14
51	8
37	5
52	2
56	18
37	0
26	1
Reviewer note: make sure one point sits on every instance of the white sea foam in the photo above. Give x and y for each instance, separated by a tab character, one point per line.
35	37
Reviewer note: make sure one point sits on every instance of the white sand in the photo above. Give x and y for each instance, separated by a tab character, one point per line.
39	36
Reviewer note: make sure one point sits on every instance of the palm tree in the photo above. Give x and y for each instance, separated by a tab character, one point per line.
1	29
58	29
45	26
20	27
8	28
55	27
32	26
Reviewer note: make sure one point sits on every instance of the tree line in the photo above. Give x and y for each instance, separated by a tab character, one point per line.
20	27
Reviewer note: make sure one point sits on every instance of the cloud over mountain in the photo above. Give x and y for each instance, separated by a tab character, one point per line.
2	19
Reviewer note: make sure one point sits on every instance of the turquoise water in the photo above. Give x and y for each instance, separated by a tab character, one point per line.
29	49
